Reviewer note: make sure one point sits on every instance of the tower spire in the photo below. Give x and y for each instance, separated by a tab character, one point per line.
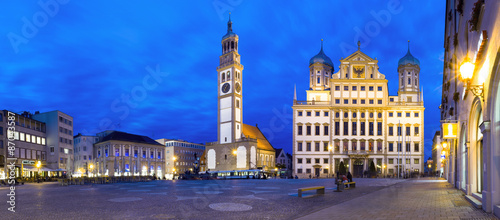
229	24
321	44
408	46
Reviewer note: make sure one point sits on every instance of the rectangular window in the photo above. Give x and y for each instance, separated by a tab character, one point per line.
325	114
299	160
370	128
337	128
316	132
316	147
135	153
337	88
408	161
117	152
416	147
391	131
299	130
325	130
317	113
346	101
391	161
370	101
391	114
308	113
399	114
354	101
354	88
126	152
362	101
379	88
325	146
354	128
379	128
308	130
362	88
416	161
362	128
143	154
316	160
299	170
346	128
308	170
379	101
400	147
308	146
299	113
391	99
416	114
408	132
416	131
152	155
399	131
391	147
346	88
308	160
299	146
337	101
370	88
90	157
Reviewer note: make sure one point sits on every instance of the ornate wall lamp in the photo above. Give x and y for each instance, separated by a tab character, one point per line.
467	68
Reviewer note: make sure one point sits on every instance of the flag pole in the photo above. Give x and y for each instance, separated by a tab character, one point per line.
397	146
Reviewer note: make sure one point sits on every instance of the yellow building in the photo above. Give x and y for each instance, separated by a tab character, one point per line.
349	119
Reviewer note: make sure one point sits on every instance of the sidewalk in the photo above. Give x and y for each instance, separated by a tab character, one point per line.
424	198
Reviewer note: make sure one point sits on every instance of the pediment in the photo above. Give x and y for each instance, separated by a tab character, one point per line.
358	56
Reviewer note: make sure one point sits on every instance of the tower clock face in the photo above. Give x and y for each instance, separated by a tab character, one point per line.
237	87
226	87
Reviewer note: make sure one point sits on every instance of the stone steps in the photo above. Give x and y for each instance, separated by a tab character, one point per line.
475	202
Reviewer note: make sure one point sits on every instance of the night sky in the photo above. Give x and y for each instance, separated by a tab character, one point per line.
150	68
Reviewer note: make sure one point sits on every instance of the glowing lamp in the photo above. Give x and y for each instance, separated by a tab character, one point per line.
234	152
466	69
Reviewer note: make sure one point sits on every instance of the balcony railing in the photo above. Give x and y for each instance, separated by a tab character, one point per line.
311	102
406	103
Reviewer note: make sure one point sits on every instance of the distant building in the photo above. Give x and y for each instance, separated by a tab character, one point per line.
283	162
84	154
29	139
181	155
122	154
438	156
59	128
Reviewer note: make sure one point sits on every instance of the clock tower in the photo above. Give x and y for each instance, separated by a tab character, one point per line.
230	99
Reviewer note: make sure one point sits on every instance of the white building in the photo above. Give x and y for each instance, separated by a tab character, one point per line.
349	119
471	100
84	154
438	155
59	140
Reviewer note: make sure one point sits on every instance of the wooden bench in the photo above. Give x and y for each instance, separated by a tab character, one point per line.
319	190
351	184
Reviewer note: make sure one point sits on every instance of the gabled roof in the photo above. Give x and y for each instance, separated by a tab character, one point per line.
122	136
254	132
357	55
278	152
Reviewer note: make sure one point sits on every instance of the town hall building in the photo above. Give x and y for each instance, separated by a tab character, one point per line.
350	120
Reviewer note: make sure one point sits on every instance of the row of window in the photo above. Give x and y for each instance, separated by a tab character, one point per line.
127	153
362	101
78	149
65	131
83	157
64	140
355	114
65	121
181	144
30	154
20	136
354	129
355	88
363	146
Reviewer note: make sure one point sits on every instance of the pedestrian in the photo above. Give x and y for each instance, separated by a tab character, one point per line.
344	180
349	176
310	176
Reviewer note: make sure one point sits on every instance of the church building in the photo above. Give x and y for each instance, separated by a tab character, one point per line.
239	146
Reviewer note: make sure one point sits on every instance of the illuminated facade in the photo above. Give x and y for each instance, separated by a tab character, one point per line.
471	100
84	154
349	119
122	154
239	146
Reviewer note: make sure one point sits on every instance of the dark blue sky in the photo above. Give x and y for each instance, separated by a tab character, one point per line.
150	68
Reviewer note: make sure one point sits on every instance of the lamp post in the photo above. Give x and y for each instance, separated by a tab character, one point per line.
330	148
38	165
91	167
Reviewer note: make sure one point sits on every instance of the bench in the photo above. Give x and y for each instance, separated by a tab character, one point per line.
319	190
351	184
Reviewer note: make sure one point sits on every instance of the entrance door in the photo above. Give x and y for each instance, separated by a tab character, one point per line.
316	172
358	168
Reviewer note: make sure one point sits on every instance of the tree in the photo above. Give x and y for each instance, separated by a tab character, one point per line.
342	169
373	171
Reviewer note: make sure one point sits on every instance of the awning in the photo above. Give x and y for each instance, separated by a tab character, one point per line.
45	169
30	168
59	169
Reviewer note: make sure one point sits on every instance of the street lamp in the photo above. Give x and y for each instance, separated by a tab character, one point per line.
38	165
330	148
91	167
234	152
466	73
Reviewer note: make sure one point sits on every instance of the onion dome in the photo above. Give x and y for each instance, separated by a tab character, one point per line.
321	57
230	32
408	59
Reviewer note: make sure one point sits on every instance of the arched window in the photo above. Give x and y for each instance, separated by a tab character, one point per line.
223	77
232	44
318	80
409	81
228	76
